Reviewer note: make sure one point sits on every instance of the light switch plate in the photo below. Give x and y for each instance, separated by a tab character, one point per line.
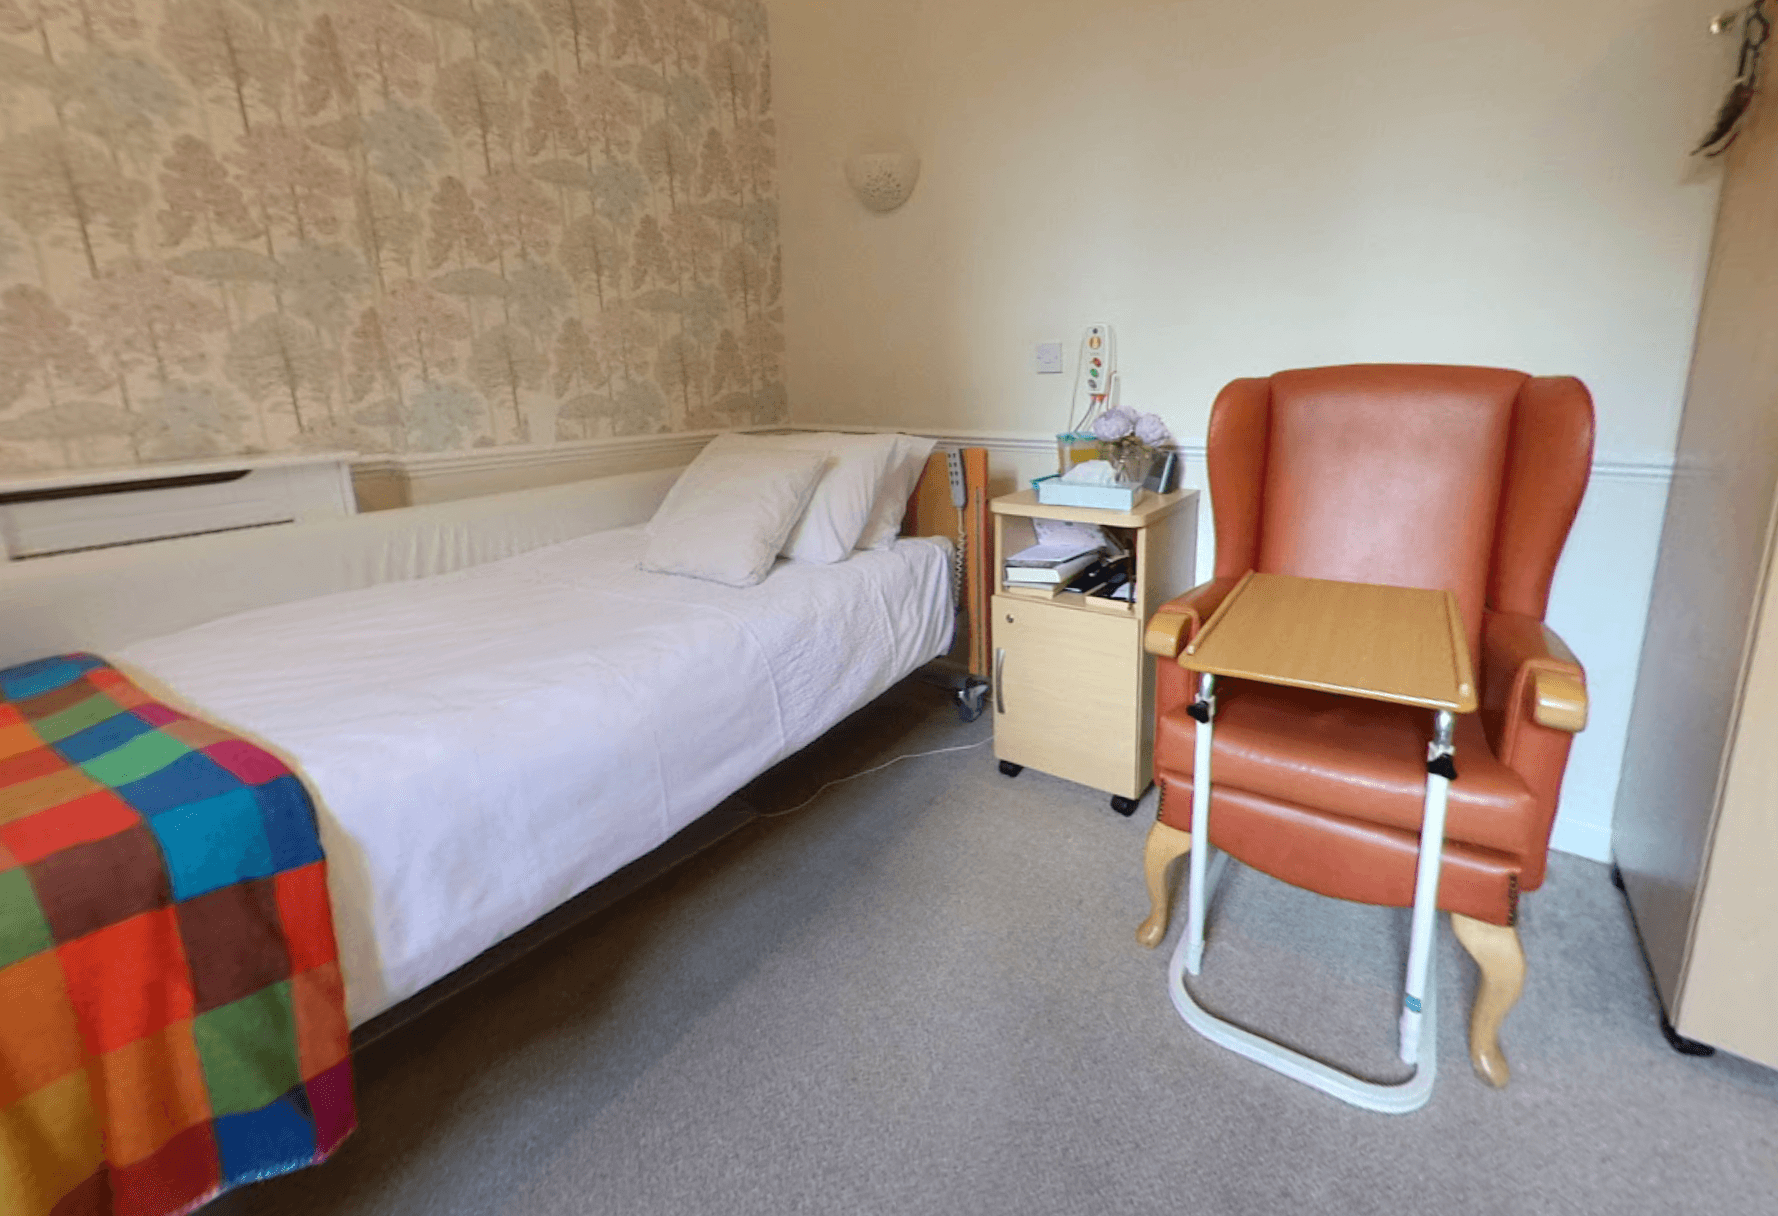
1049	358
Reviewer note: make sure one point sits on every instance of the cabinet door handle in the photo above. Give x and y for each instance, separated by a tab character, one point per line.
999	679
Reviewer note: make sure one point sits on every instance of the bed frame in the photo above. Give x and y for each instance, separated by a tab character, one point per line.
931	513
105	599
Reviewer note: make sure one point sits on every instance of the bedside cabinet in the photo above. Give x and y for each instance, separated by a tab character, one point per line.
1073	691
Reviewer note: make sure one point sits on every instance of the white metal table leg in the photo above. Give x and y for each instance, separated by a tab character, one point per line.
1439	771
1197	895
1419	1019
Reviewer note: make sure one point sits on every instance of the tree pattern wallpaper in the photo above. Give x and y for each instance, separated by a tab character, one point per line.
235	226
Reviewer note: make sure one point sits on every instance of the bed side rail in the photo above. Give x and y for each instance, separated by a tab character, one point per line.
107	598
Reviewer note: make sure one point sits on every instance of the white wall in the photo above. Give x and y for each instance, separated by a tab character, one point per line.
1242	188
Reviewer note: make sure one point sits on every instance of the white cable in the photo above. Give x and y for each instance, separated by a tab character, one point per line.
967	747
960	562
1080	362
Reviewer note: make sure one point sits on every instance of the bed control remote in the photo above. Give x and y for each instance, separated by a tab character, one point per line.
954	467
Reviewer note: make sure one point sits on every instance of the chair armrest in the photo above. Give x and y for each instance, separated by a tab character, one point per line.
1176	622
1559	701
1529	671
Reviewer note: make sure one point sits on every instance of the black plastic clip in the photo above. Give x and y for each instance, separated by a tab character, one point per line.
1199	709
1444	765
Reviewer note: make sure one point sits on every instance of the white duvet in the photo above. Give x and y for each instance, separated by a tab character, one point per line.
488	743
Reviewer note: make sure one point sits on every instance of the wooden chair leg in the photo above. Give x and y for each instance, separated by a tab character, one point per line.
1165	846
1496	950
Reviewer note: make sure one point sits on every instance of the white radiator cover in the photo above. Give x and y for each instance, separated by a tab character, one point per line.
98	508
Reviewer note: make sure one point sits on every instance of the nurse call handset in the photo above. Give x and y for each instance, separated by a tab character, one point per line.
1098	362
1096	369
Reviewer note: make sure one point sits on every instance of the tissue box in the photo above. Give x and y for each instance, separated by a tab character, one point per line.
1052	491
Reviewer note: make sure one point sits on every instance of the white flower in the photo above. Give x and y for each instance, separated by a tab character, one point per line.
1114	424
1152	431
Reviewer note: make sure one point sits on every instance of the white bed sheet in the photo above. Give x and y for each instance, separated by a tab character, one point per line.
488	743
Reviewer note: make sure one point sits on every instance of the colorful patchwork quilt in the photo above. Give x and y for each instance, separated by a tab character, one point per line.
172	1020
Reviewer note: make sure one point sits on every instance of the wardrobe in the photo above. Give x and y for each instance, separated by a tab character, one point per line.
1695	834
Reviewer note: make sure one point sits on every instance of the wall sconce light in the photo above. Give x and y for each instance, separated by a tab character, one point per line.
883	180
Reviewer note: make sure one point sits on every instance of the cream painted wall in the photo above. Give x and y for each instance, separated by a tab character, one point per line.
1243	188
1240	189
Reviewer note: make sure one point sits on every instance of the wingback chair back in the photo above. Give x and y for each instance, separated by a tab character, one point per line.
1464	479
1458	478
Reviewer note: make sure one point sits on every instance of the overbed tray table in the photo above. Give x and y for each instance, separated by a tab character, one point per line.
1400	644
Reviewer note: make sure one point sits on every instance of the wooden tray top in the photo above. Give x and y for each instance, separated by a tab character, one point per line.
1400	644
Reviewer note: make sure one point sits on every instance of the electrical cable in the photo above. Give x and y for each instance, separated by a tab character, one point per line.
960	563
1095	401
1080	362
942	751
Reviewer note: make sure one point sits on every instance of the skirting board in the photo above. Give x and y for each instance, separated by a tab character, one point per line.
1590	840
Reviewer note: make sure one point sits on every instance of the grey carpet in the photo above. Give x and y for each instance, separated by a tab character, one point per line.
922	994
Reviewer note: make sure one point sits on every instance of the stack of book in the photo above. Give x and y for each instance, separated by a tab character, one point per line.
1049	566
1089	569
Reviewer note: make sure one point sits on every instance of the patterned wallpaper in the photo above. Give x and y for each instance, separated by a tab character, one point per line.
388	225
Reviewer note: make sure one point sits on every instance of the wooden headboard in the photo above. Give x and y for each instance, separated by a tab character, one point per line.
931	513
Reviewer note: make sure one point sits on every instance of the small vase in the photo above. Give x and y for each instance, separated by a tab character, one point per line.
1130	461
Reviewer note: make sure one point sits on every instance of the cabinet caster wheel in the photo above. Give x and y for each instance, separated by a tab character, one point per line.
1009	769
1124	806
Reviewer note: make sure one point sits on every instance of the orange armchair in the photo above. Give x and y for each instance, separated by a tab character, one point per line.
1460	478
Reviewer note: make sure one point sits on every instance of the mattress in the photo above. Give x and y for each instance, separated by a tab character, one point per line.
484	745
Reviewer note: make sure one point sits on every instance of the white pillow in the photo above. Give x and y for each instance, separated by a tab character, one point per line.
904	472
842	502
727	516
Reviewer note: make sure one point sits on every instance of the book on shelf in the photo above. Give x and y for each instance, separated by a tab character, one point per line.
1050	556
1050	575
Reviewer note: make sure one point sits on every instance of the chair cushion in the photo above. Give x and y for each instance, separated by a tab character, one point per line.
1345	859
1363	760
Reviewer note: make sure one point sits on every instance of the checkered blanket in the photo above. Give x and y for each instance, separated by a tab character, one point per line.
172	1021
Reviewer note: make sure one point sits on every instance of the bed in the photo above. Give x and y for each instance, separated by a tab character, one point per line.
502	723
486	744
415	667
